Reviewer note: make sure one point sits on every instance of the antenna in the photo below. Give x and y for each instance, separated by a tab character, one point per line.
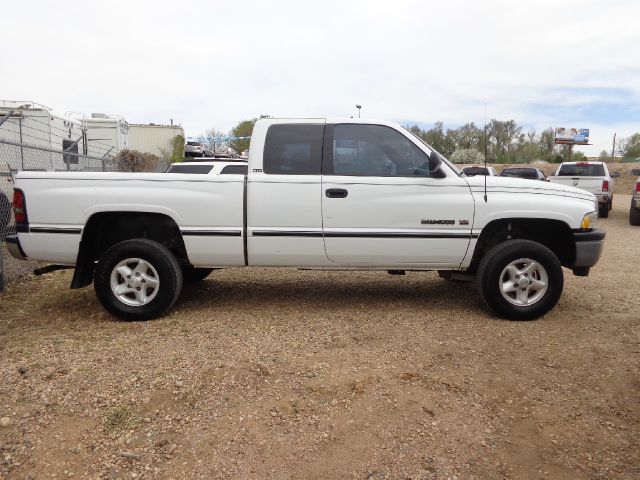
486	171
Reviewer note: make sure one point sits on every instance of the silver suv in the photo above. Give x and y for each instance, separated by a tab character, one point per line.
196	149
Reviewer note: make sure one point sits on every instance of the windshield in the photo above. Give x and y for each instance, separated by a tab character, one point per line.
519	173
582	170
444	159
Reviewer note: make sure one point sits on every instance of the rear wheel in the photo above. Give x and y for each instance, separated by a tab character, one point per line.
520	279
193	275
634	215
138	279
603	210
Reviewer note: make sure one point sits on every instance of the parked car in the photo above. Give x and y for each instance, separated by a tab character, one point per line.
592	177
196	149
319	194
634	209
212	167
479	170
529	173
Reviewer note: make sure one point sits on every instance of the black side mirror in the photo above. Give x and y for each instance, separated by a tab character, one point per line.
615	175
435	161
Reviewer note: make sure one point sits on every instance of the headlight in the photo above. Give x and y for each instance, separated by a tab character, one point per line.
589	220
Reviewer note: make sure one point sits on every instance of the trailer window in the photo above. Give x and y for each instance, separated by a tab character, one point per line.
70	148
293	149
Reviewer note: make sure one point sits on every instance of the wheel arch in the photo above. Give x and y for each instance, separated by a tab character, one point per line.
104	229
554	234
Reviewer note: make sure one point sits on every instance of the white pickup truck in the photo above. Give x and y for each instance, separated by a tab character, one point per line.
319	194
590	176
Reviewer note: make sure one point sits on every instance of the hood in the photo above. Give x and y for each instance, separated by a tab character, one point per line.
521	185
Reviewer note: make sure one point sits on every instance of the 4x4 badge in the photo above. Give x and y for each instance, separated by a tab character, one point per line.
463	222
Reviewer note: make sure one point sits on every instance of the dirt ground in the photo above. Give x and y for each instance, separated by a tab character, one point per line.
280	373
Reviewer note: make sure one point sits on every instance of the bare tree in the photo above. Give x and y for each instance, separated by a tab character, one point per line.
135	161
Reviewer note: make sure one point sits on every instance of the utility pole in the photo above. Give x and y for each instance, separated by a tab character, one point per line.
613	148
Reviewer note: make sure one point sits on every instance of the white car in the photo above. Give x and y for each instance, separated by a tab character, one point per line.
196	149
481	170
592	177
319	194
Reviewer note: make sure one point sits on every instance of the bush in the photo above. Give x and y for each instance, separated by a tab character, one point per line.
467	155
135	161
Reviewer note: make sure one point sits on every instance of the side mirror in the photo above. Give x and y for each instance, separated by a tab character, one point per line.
435	161
615	175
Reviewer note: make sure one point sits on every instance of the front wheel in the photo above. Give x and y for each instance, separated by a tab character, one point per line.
520	279
138	279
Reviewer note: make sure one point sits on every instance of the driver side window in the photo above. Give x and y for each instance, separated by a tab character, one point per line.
376	150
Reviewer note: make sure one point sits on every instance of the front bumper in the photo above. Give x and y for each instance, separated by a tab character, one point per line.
13	245
588	247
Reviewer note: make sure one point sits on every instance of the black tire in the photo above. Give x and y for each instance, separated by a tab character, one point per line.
611	204
603	210
498	258
634	215
193	275
5	213
155	254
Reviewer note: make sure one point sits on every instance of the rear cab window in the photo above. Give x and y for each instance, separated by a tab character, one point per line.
582	170
234	169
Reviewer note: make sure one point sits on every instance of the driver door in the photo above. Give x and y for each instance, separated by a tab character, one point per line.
381	205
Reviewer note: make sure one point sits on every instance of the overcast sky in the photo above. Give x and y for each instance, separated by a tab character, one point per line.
209	64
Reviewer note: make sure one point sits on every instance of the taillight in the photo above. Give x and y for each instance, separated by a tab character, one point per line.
19	207
605	185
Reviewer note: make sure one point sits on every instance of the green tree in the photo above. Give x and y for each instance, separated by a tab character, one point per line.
578	157
503	138
629	148
604	156
242	129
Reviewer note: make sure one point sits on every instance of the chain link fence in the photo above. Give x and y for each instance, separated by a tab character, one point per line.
16	157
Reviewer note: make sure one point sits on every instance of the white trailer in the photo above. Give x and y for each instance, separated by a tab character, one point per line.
32	124
106	134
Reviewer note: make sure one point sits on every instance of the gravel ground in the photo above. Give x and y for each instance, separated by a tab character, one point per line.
281	373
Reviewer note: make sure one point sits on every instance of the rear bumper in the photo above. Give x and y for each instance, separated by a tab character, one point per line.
13	245
589	247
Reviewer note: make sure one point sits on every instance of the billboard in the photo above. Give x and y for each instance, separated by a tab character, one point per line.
578	136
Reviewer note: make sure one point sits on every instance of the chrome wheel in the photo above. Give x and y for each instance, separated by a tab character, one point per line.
523	282
134	282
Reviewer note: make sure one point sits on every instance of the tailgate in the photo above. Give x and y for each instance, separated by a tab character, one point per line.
590	184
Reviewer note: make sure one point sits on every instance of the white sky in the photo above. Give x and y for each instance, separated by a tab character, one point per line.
210	64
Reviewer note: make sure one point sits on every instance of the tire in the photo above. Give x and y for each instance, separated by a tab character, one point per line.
493	271
603	210
611	204
193	275
634	215
5	213
154	261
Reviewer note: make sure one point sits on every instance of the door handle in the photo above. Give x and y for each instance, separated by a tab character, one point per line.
336	193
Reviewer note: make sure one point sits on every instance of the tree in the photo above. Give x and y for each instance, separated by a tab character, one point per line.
604	156
547	144
136	161
212	139
467	155
242	130
503	138
175	152
578	157
629	148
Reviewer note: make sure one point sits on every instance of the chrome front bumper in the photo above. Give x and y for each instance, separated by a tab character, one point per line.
13	245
